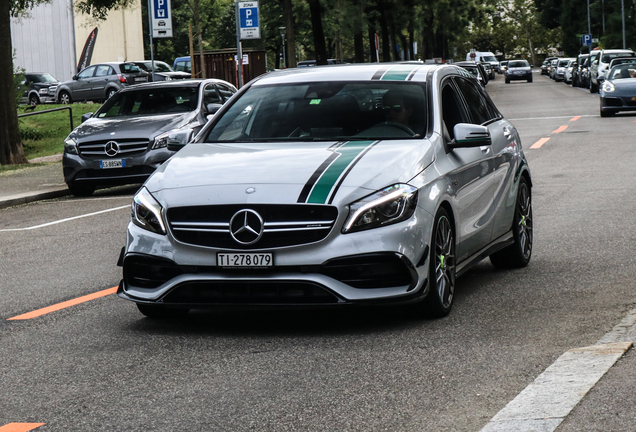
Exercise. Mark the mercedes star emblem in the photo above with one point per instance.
(246, 226)
(112, 148)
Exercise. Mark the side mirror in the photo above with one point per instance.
(471, 135)
(177, 140)
(75, 77)
(212, 108)
(86, 117)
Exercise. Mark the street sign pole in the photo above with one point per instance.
(239, 54)
(152, 56)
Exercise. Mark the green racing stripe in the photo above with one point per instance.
(348, 154)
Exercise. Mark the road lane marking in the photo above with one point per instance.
(63, 305)
(560, 129)
(575, 118)
(546, 402)
(20, 427)
(64, 220)
(539, 143)
(552, 118)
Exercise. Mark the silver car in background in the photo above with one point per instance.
(326, 187)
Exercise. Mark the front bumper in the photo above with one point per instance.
(136, 169)
(384, 265)
(614, 104)
(518, 77)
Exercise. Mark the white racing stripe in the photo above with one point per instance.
(65, 220)
(545, 403)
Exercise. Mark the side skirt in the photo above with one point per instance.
(500, 243)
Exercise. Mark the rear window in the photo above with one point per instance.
(325, 112)
(154, 101)
(129, 68)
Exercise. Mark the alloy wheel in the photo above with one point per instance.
(445, 261)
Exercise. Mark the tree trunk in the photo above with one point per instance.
(531, 47)
(386, 43)
(290, 35)
(196, 20)
(373, 58)
(11, 151)
(319, 35)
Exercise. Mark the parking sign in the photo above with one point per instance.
(161, 19)
(587, 40)
(249, 21)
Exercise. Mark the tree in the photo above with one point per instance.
(11, 150)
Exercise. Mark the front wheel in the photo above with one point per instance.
(518, 254)
(593, 87)
(65, 98)
(441, 274)
(33, 100)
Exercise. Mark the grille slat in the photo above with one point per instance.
(284, 224)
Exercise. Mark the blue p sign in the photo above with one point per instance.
(587, 40)
(161, 9)
(249, 17)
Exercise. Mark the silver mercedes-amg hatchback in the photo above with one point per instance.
(330, 186)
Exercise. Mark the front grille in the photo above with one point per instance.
(149, 272)
(283, 225)
(127, 147)
(380, 270)
(254, 293)
(613, 102)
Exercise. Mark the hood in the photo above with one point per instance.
(301, 172)
(96, 129)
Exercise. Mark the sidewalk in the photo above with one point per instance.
(33, 183)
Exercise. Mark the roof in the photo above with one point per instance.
(351, 72)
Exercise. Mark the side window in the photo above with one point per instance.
(210, 95)
(477, 104)
(225, 91)
(87, 73)
(453, 111)
(103, 70)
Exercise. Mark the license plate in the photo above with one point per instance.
(244, 260)
(116, 163)
(143, 79)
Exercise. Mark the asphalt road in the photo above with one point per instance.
(101, 366)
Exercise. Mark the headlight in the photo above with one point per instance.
(161, 140)
(70, 146)
(146, 212)
(43, 91)
(608, 87)
(387, 206)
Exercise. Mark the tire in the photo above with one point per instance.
(81, 189)
(65, 98)
(607, 113)
(161, 312)
(593, 87)
(507, 81)
(110, 93)
(439, 301)
(530, 79)
(34, 100)
(518, 254)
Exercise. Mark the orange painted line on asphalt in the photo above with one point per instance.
(539, 143)
(20, 427)
(63, 305)
(560, 129)
(575, 118)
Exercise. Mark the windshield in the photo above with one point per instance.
(155, 101)
(563, 63)
(41, 78)
(518, 63)
(608, 57)
(623, 71)
(324, 112)
(159, 66)
(489, 58)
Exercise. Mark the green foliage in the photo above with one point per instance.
(18, 77)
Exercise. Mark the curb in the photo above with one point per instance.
(10, 202)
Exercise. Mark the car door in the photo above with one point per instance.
(504, 150)
(470, 175)
(98, 83)
(81, 87)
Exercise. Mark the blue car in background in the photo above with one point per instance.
(182, 64)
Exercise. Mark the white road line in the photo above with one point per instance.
(552, 118)
(545, 403)
(64, 220)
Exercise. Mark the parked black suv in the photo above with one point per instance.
(37, 88)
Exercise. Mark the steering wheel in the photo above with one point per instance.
(400, 126)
